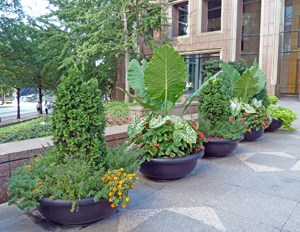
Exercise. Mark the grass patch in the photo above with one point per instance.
(36, 128)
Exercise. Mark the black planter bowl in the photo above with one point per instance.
(254, 135)
(170, 168)
(275, 125)
(59, 210)
(220, 147)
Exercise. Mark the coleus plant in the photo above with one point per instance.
(159, 84)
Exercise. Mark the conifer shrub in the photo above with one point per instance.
(79, 119)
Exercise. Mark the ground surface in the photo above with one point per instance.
(257, 188)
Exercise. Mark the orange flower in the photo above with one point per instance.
(113, 205)
(116, 182)
(119, 174)
(35, 162)
(131, 182)
(105, 175)
(41, 155)
(51, 165)
(93, 178)
(108, 177)
(110, 200)
(131, 186)
(110, 183)
(112, 175)
(40, 183)
(35, 190)
(37, 158)
(115, 189)
(120, 193)
(124, 206)
(103, 178)
(110, 194)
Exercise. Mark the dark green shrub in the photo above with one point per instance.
(262, 95)
(78, 118)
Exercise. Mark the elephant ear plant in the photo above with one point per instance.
(281, 113)
(80, 165)
(160, 84)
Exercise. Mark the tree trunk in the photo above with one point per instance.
(18, 103)
(41, 99)
(126, 58)
(3, 98)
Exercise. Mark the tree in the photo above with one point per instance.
(103, 30)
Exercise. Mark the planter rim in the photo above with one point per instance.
(225, 140)
(178, 159)
(62, 202)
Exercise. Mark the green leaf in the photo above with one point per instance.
(247, 86)
(261, 77)
(231, 72)
(143, 104)
(136, 77)
(187, 134)
(236, 107)
(157, 122)
(136, 125)
(191, 97)
(166, 75)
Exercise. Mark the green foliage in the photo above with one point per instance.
(66, 177)
(78, 118)
(285, 114)
(232, 129)
(170, 136)
(214, 99)
(272, 99)
(263, 96)
(118, 108)
(36, 128)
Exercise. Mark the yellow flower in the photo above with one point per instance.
(127, 199)
(26, 167)
(120, 193)
(110, 200)
(115, 178)
(110, 183)
(29, 166)
(120, 182)
(93, 178)
(130, 178)
(110, 194)
(113, 205)
(7, 193)
(133, 174)
(124, 206)
(137, 178)
(124, 174)
(35, 190)
(41, 155)
(120, 186)
(122, 169)
(115, 189)
(109, 172)
(51, 165)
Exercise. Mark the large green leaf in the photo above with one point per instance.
(146, 106)
(166, 75)
(136, 77)
(231, 72)
(261, 78)
(187, 133)
(136, 125)
(248, 84)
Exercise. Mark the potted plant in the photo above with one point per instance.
(281, 116)
(215, 117)
(171, 144)
(79, 180)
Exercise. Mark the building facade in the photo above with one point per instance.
(268, 30)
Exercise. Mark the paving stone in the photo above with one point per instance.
(225, 174)
(163, 199)
(271, 210)
(7, 212)
(196, 188)
(293, 223)
(272, 161)
(235, 223)
(167, 221)
(140, 191)
(20, 223)
(274, 185)
(293, 149)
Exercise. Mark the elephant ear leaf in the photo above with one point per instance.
(261, 78)
(231, 72)
(136, 77)
(136, 125)
(166, 75)
(247, 85)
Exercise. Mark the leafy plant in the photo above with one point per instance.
(284, 114)
(272, 99)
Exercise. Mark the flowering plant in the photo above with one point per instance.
(170, 136)
(80, 165)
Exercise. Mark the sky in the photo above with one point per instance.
(35, 8)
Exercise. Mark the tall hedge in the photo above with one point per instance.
(78, 118)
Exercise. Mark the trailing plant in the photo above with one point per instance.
(78, 166)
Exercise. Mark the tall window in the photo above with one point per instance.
(183, 20)
(250, 30)
(194, 65)
(214, 15)
(290, 57)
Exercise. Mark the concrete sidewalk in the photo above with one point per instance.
(255, 189)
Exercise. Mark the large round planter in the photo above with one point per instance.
(275, 125)
(220, 147)
(170, 168)
(254, 135)
(58, 210)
